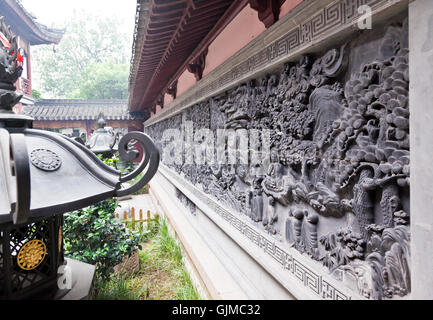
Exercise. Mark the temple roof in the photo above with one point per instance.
(25, 25)
(140, 19)
(76, 110)
(166, 34)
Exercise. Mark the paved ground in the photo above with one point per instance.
(138, 202)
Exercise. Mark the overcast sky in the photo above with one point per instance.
(54, 12)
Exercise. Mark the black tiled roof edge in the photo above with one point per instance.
(78, 110)
(42, 33)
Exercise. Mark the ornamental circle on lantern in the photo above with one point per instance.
(31, 255)
(45, 159)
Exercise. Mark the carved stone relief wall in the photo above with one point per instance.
(337, 185)
(186, 202)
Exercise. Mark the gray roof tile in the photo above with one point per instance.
(77, 109)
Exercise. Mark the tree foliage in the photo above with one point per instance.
(94, 50)
(103, 81)
(36, 94)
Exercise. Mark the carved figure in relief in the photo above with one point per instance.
(301, 231)
(326, 106)
(309, 242)
(271, 91)
(396, 270)
(283, 83)
(228, 108)
(297, 225)
(362, 202)
(239, 198)
(256, 200)
(215, 186)
(390, 203)
(275, 171)
(283, 187)
(338, 148)
(236, 109)
(271, 216)
(227, 176)
(261, 91)
(289, 228)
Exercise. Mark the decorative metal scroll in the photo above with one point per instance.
(148, 165)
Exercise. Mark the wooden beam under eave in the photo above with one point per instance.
(177, 51)
(228, 16)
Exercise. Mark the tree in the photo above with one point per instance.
(88, 41)
(36, 94)
(103, 81)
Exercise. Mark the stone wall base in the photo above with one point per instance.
(219, 267)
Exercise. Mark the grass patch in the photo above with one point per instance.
(162, 274)
(143, 190)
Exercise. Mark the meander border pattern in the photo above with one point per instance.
(316, 283)
(327, 19)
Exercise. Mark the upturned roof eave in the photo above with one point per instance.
(150, 74)
(23, 24)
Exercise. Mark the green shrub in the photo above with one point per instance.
(123, 166)
(94, 235)
(143, 190)
(162, 272)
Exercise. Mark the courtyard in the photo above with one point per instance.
(215, 150)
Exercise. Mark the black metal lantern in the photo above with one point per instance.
(42, 176)
(103, 141)
(30, 256)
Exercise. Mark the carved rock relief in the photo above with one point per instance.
(186, 202)
(337, 184)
